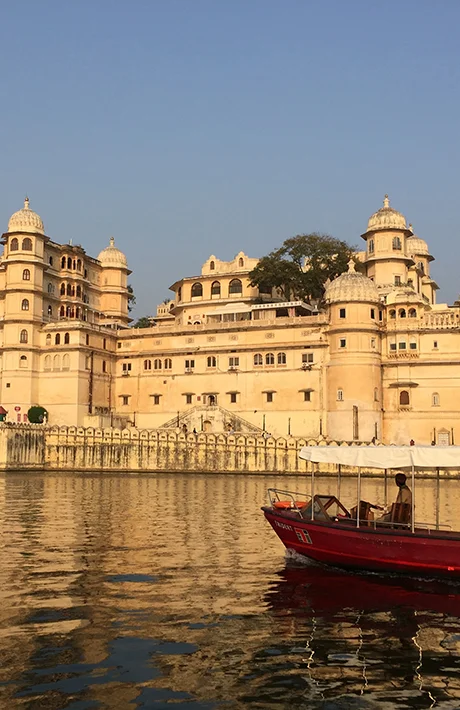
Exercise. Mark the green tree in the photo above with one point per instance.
(143, 322)
(37, 415)
(131, 298)
(300, 268)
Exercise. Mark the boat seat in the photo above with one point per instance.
(400, 513)
(366, 515)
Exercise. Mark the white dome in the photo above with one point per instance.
(26, 220)
(351, 286)
(386, 218)
(111, 256)
(416, 246)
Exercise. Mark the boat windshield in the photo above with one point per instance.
(325, 508)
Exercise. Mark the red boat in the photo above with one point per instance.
(321, 528)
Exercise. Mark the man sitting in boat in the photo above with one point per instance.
(403, 499)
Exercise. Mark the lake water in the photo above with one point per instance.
(172, 591)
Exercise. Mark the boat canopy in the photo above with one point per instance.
(384, 456)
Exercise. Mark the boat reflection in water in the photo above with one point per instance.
(364, 639)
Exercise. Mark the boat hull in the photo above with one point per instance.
(365, 548)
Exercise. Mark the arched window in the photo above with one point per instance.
(421, 266)
(63, 262)
(77, 312)
(47, 365)
(240, 262)
(57, 339)
(74, 264)
(14, 244)
(392, 313)
(79, 265)
(197, 290)
(25, 304)
(56, 362)
(404, 399)
(69, 290)
(27, 244)
(147, 364)
(157, 364)
(67, 312)
(24, 336)
(78, 291)
(235, 287)
(339, 395)
(50, 310)
(69, 262)
(211, 361)
(62, 289)
(26, 275)
(48, 339)
(168, 363)
(50, 288)
(23, 361)
(371, 246)
(179, 294)
(376, 394)
(281, 358)
(402, 313)
(412, 313)
(215, 288)
(212, 266)
(62, 311)
(258, 360)
(66, 362)
(72, 293)
(66, 338)
(269, 359)
(396, 244)
(435, 399)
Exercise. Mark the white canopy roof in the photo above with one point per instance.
(385, 456)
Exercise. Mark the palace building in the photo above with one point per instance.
(380, 361)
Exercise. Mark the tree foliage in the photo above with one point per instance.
(131, 298)
(143, 322)
(37, 415)
(300, 268)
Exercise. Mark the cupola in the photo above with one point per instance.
(351, 286)
(26, 220)
(112, 257)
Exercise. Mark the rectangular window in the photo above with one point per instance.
(435, 344)
(307, 396)
(189, 364)
(233, 361)
(307, 358)
(125, 399)
(269, 396)
(188, 398)
(392, 346)
(397, 281)
(104, 366)
(413, 346)
(233, 397)
(343, 343)
(156, 398)
(126, 367)
(373, 343)
(118, 345)
(373, 313)
(343, 313)
(339, 395)
(380, 315)
(402, 346)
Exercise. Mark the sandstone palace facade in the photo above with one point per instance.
(379, 362)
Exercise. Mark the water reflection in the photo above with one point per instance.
(126, 592)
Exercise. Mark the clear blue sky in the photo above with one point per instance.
(190, 127)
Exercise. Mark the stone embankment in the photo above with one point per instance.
(37, 447)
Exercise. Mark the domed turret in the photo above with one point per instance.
(26, 220)
(351, 287)
(386, 218)
(416, 246)
(112, 257)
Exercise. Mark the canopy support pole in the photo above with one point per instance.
(312, 493)
(359, 496)
(339, 481)
(437, 498)
(413, 499)
(385, 488)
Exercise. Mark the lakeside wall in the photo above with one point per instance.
(36, 447)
